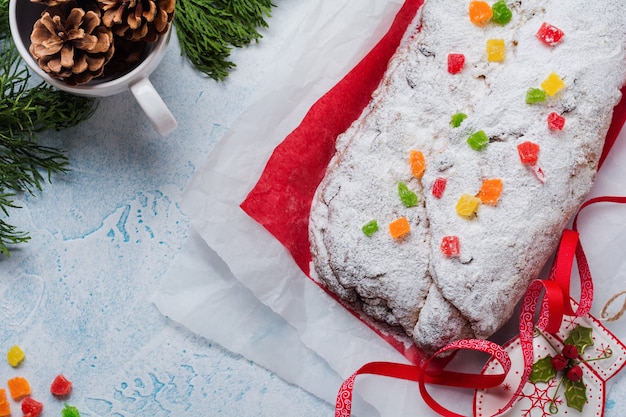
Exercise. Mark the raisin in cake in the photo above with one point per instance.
(462, 212)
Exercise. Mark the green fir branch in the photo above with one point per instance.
(208, 30)
(27, 108)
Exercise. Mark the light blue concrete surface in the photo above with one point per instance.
(76, 298)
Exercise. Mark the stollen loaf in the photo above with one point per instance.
(447, 196)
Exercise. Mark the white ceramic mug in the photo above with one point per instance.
(22, 16)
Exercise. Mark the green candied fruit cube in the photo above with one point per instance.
(478, 141)
(370, 228)
(535, 95)
(70, 411)
(457, 119)
(501, 13)
(408, 197)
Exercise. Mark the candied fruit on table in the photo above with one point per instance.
(15, 356)
(550, 35)
(480, 12)
(70, 411)
(60, 387)
(456, 62)
(18, 387)
(5, 407)
(399, 228)
(31, 407)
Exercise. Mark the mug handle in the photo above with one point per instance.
(153, 105)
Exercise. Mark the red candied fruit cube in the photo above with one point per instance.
(455, 63)
(439, 186)
(31, 408)
(60, 387)
(450, 246)
(556, 121)
(528, 152)
(550, 35)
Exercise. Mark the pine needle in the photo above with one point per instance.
(25, 110)
(208, 31)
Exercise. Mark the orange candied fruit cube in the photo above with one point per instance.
(490, 191)
(399, 228)
(19, 387)
(418, 163)
(5, 407)
(480, 12)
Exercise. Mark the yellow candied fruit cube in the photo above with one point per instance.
(496, 50)
(553, 84)
(15, 356)
(399, 228)
(467, 205)
(5, 407)
(19, 387)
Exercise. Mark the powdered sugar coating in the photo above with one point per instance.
(410, 283)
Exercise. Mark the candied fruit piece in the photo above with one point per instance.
(455, 63)
(457, 119)
(5, 407)
(496, 50)
(60, 387)
(370, 228)
(480, 12)
(439, 186)
(490, 191)
(31, 407)
(70, 411)
(408, 197)
(553, 84)
(467, 206)
(18, 387)
(418, 163)
(501, 13)
(399, 228)
(528, 152)
(450, 246)
(15, 356)
(549, 35)
(535, 95)
(478, 141)
(556, 121)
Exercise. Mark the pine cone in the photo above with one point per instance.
(71, 44)
(51, 3)
(138, 19)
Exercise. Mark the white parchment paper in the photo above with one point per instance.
(237, 285)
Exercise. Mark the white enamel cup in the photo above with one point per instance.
(22, 16)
